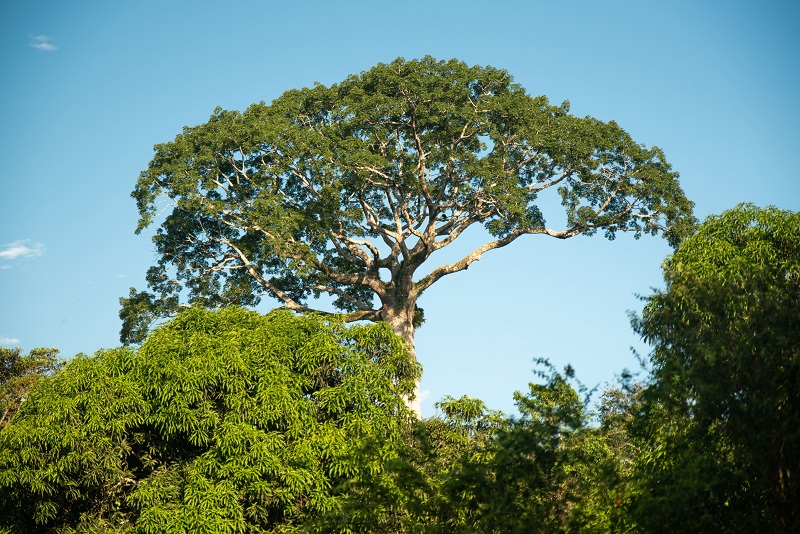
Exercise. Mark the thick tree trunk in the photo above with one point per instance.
(402, 323)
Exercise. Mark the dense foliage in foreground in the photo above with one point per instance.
(228, 421)
(220, 422)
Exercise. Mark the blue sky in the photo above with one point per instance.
(89, 87)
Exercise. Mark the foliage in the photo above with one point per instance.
(475, 470)
(547, 469)
(18, 373)
(722, 416)
(684, 479)
(221, 422)
(348, 190)
(608, 498)
(415, 492)
(229, 421)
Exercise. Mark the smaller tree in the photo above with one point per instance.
(544, 464)
(18, 372)
(224, 421)
(681, 476)
(726, 363)
(477, 470)
(415, 491)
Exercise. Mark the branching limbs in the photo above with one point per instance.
(327, 187)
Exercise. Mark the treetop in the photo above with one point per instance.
(328, 186)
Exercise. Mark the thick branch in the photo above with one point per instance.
(371, 281)
(350, 252)
(455, 229)
(476, 254)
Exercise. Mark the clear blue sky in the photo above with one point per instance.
(89, 87)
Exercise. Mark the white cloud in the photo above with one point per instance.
(424, 395)
(42, 42)
(21, 249)
(9, 341)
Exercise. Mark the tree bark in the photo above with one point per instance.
(402, 323)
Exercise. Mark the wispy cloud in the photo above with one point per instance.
(42, 42)
(24, 248)
(9, 341)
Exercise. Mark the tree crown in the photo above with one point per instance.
(347, 190)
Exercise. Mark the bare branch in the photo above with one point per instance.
(476, 254)
(354, 244)
(371, 281)
(395, 215)
(455, 229)
(550, 183)
(354, 254)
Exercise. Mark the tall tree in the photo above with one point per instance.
(726, 374)
(349, 190)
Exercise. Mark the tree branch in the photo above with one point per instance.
(290, 302)
(476, 254)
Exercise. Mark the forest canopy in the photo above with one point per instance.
(229, 421)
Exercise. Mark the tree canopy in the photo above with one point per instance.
(227, 421)
(347, 190)
(230, 421)
(724, 407)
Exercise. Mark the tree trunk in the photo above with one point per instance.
(402, 323)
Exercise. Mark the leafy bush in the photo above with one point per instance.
(224, 421)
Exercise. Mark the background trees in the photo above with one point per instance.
(349, 190)
(18, 372)
(475, 470)
(230, 421)
(541, 471)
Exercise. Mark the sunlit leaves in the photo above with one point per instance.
(70, 441)
(220, 422)
(726, 366)
(18, 373)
